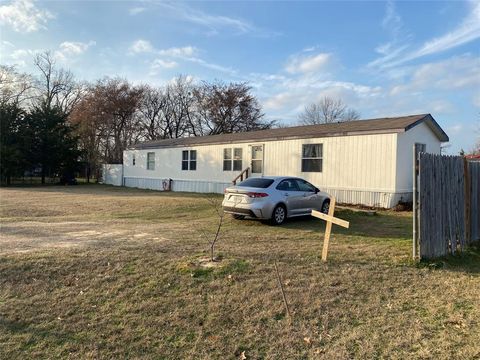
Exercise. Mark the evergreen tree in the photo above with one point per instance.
(55, 147)
(14, 142)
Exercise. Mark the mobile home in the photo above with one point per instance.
(366, 162)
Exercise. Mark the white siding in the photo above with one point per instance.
(356, 169)
(373, 169)
(404, 164)
(112, 174)
(365, 163)
(168, 163)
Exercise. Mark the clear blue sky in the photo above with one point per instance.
(381, 58)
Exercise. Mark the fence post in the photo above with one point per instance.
(468, 223)
(415, 203)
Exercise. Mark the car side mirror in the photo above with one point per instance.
(317, 190)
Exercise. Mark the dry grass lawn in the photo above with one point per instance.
(101, 272)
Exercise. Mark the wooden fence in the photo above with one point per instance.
(473, 207)
(447, 202)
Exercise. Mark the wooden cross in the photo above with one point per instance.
(330, 219)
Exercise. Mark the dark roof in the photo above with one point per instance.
(359, 127)
(473, 156)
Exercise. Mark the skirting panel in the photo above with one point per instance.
(144, 183)
(369, 198)
(199, 186)
(177, 185)
(344, 196)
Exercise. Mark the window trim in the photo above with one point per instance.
(150, 161)
(312, 158)
(231, 160)
(227, 159)
(190, 161)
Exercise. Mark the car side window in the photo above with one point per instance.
(305, 186)
(287, 185)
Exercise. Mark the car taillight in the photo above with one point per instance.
(256, 194)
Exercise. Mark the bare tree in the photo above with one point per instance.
(213, 238)
(227, 108)
(117, 102)
(444, 147)
(56, 87)
(90, 128)
(15, 87)
(108, 121)
(327, 111)
(183, 108)
(168, 112)
(178, 110)
(152, 106)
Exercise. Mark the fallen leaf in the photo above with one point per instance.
(307, 340)
(243, 356)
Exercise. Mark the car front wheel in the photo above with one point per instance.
(279, 215)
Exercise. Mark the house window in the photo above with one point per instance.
(312, 157)
(232, 162)
(189, 160)
(133, 160)
(151, 161)
(237, 159)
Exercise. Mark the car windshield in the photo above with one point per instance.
(257, 183)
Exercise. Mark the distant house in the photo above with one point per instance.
(473, 157)
(360, 162)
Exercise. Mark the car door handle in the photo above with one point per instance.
(286, 194)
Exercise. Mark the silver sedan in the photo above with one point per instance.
(274, 198)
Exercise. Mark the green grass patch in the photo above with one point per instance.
(468, 261)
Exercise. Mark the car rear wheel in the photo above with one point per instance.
(325, 207)
(279, 215)
(238, 217)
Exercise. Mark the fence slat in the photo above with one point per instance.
(474, 170)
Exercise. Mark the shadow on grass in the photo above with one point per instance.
(467, 261)
(381, 225)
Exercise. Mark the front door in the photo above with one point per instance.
(257, 160)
